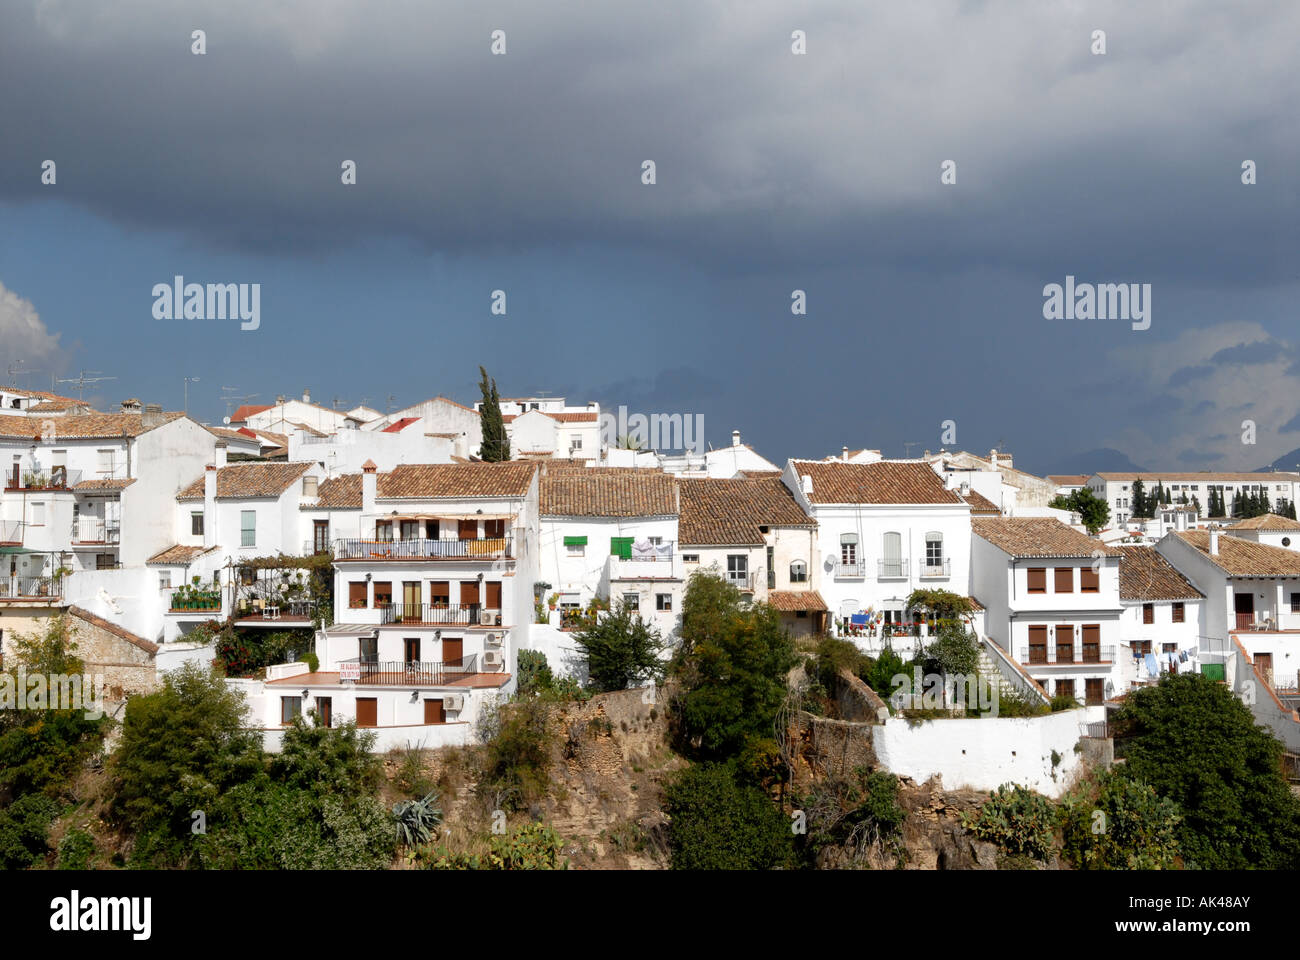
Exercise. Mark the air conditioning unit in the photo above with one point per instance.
(492, 640)
(493, 658)
(485, 617)
(453, 701)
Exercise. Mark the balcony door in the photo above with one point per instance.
(493, 600)
(1038, 644)
(467, 530)
(1243, 605)
(411, 601)
(320, 536)
(411, 650)
(468, 594)
(367, 712)
(1264, 666)
(892, 555)
(453, 652)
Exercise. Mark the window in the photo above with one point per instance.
(368, 649)
(38, 514)
(1178, 613)
(632, 601)
(410, 529)
(290, 707)
(771, 569)
(575, 546)
(690, 558)
(384, 530)
(1064, 643)
(1148, 613)
(383, 592)
(663, 601)
(1065, 688)
(1089, 580)
(248, 528)
(1092, 643)
(1295, 603)
(1064, 580)
(164, 579)
(1140, 647)
(357, 594)
(575, 441)
(310, 486)
(1038, 644)
(891, 564)
(1094, 691)
(440, 593)
(196, 523)
(1037, 579)
(848, 549)
(738, 568)
(621, 547)
(325, 711)
(494, 529)
(934, 550)
(106, 462)
(798, 572)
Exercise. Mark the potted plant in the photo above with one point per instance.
(552, 600)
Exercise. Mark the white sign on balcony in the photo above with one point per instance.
(349, 671)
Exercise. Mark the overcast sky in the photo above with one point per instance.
(775, 172)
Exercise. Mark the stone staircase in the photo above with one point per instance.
(995, 662)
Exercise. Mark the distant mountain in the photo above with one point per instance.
(1104, 460)
(1285, 462)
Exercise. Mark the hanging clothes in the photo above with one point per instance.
(1153, 667)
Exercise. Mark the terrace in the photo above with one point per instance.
(486, 548)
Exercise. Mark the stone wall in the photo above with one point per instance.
(125, 660)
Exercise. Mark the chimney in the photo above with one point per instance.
(993, 459)
(210, 506)
(219, 454)
(735, 438)
(280, 399)
(152, 416)
(1180, 519)
(807, 485)
(369, 487)
(306, 395)
(1214, 539)
(844, 454)
(965, 488)
(131, 406)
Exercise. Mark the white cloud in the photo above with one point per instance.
(23, 336)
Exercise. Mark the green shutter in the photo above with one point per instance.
(621, 547)
(1213, 671)
(575, 541)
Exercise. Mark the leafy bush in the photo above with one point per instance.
(719, 823)
(621, 650)
(879, 673)
(534, 672)
(518, 739)
(327, 760)
(1017, 820)
(1063, 701)
(25, 830)
(417, 819)
(1118, 823)
(533, 846)
(75, 850)
(853, 813)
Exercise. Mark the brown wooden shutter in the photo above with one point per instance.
(1089, 580)
(1094, 691)
(1037, 579)
(1064, 580)
(453, 652)
(357, 594)
(1179, 613)
(1092, 642)
(433, 712)
(1038, 644)
(1148, 613)
(493, 601)
(467, 530)
(439, 593)
(469, 593)
(367, 712)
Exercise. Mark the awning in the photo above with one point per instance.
(575, 541)
(445, 516)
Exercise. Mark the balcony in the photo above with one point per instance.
(59, 478)
(1067, 655)
(855, 570)
(891, 569)
(936, 571)
(98, 532)
(11, 532)
(36, 588)
(401, 673)
(742, 581)
(439, 614)
(641, 568)
(484, 549)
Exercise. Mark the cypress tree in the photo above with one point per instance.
(495, 447)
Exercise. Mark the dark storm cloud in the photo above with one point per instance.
(1189, 374)
(1261, 351)
(1196, 456)
(1074, 163)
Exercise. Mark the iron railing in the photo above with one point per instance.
(432, 673)
(936, 570)
(439, 614)
(423, 549)
(1067, 654)
(852, 570)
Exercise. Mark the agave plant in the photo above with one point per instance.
(417, 819)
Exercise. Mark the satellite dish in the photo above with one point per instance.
(830, 559)
(226, 421)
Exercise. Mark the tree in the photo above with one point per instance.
(1092, 510)
(1140, 504)
(717, 822)
(1137, 829)
(1196, 744)
(732, 667)
(939, 604)
(621, 650)
(496, 446)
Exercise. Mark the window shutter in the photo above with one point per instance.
(577, 542)
(1037, 579)
(621, 547)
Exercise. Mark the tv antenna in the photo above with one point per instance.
(16, 370)
(390, 401)
(907, 448)
(231, 399)
(85, 377)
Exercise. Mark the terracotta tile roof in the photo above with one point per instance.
(104, 483)
(980, 504)
(1035, 537)
(90, 426)
(55, 406)
(881, 482)
(445, 436)
(248, 410)
(309, 429)
(1145, 575)
(561, 417)
(398, 426)
(1069, 479)
(760, 474)
(1269, 521)
(80, 613)
(1245, 558)
(729, 512)
(43, 394)
(1206, 477)
(249, 480)
(601, 493)
(338, 493)
(792, 601)
(177, 554)
(225, 433)
(431, 481)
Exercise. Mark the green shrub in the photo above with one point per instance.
(534, 672)
(716, 822)
(533, 846)
(853, 813)
(25, 830)
(621, 650)
(518, 739)
(1063, 701)
(1118, 823)
(75, 850)
(1017, 820)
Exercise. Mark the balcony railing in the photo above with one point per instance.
(310, 547)
(485, 549)
(891, 569)
(436, 614)
(641, 568)
(1067, 655)
(12, 588)
(89, 530)
(936, 571)
(58, 478)
(855, 570)
(11, 531)
(430, 673)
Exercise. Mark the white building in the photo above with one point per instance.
(739, 459)
(286, 415)
(1052, 601)
(441, 417)
(1270, 530)
(884, 530)
(1117, 488)
(1163, 619)
(563, 433)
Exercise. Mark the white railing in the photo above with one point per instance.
(638, 568)
(90, 530)
(891, 569)
(938, 570)
(855, 570)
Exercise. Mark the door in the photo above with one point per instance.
(1092, 643)
(411, 601)
(453, 652)
(367, 712)
(892, 555)
(411, 649)
(433, 712)
(467, 530)
(1094, 691)
(493, 601)
(1038, 644)
(1064, 643)
(1243, 605)
(325, 710)
(1264, 666)
(320, 536)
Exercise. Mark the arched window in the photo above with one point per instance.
(798, 572)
